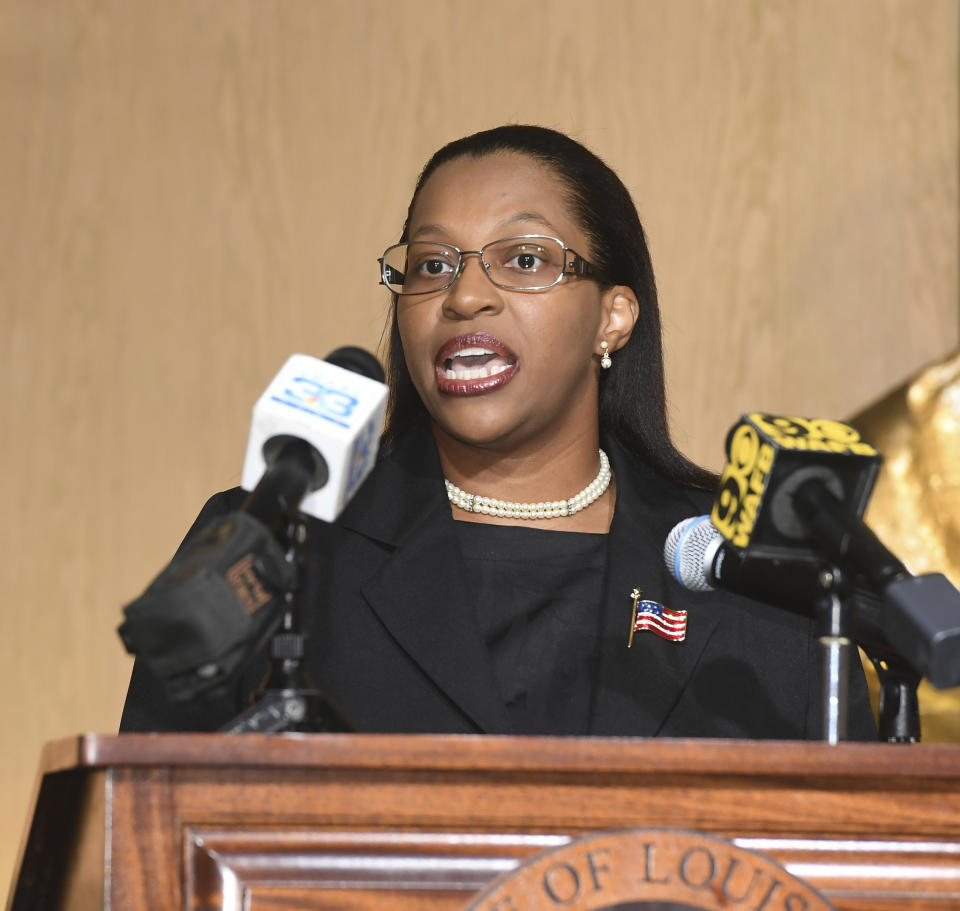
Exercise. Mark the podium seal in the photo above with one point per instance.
(649, 870)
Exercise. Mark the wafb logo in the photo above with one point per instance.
(761, 444)
(311, 395)
(742, 484)
(811, 434)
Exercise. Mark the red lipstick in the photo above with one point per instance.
(474, 364)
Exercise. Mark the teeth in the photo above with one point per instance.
(476, 373)
(472, 352)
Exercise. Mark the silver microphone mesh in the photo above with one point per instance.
(689, 551)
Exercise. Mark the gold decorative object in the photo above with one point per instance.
(915, 507)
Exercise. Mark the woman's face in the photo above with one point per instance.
(495, 368)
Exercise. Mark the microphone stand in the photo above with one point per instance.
(899, 715)
(833, 612)
(848, 540)
(899, 707)
(286, 700)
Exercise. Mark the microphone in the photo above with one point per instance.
(769, 459)
(314, 436)
(701, 560)
(788, 517)
(916, 618)
(313, 441)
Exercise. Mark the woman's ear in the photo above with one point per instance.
(620, 312)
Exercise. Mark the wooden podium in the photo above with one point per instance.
(177, 821)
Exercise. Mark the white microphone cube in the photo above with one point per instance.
(338, 412)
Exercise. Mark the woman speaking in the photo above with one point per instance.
(487, 576)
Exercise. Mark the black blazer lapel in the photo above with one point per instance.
(420, 593)
(638, 687)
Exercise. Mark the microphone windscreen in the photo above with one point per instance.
(339, 412)
(689, 551)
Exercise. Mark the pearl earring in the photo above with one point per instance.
(605, 361)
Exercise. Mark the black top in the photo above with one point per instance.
(534, 594)
(394, 644)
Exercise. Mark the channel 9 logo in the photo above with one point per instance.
(761, 445)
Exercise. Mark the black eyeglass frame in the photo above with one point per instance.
(575, 265)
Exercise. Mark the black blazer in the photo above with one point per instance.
(394, 643)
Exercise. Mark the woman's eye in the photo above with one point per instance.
(525, 261)
(434, 267)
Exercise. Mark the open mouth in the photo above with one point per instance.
(473, 364)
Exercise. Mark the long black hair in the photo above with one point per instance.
(632, 397)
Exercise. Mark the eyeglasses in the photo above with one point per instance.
(527, 262)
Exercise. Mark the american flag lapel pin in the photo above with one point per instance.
(649, 615)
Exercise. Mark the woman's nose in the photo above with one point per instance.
(472, 293)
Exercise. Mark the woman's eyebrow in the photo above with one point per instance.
(429, 229)
(526, 216)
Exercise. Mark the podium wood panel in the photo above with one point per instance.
(374, 821)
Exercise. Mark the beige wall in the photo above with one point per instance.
(190, 191)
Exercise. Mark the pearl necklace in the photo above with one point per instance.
(550, 510)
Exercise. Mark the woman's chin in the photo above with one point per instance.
(493, 432)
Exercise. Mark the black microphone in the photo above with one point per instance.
(844, 537)
(313, 441)
(916, 619)
(701, 560)
(768, 459)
